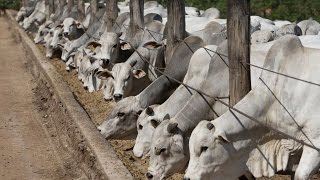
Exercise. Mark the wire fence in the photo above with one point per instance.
(219, 99)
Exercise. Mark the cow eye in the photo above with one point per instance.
(114, 46)
(120, 114)
(204, 149)
(140, 126)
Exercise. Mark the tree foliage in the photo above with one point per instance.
(10, 4)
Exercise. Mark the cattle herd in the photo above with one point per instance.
(274, 128)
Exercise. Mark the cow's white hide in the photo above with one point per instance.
(236, 135)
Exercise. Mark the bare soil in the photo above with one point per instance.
(28, 146)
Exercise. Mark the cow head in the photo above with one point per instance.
(109, 47)
(169, 151)
(69, 24)
(146, 124)
(57, 37)
(123, 76)
(210, 154)
(47, 41)
(42, 32)
(122, 120)
(21, 14)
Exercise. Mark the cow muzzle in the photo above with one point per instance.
(149, 175)
(117, 97)
(104, 63)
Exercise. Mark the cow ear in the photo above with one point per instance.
(104, 75)
(79, 25)
(139, 112)
(60, 45)
(166, 117)
(138, 73)
(119, 34)
(149, 111)
(60, 26)
(172, 127)
(93, 44)
(125, 46)
(154, 123)
(151, 45)
(221, 136)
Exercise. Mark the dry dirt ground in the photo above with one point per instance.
(27, 150)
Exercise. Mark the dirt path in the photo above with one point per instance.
(25, 148)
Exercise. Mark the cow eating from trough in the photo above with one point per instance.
(235, 142)
(125, 114)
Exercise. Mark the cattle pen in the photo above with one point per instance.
(77, 114)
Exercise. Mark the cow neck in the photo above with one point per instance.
(241, 130)
(175, 102)
(156, 93)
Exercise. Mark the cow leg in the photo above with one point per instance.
(309, 164)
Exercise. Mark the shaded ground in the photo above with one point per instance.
(27, 150)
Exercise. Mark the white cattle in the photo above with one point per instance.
(132, 76)
(212, 13)
(252, 145)
(192, 11)
(121, 122)
(309, 27)
(266, 24)
(72, 29)
(288, 29)
(216, 84)
(254, 26)
(262, 36)
(168, 146)
(280, 23)
(36, 18)
(151, 117)
(210, 30)
(42, 32)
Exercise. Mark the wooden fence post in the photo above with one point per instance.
(238, 24)
(62, 3)
(112, 13)
(136, 18)
(81, 10)
(94, 9)
(176, 25)
(70, 5)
